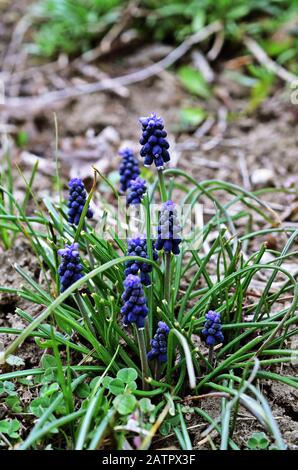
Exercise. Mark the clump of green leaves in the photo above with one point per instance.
(10, 397)
(180, 18)
(10, 428)
(70, 26)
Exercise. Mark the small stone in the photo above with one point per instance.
(262, 177)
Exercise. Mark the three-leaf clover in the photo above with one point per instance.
(125, 382)
(10, 427)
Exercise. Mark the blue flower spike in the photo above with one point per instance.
(154, 143)
(212, 329)
(135, 309)
(129, 168)
(169, 230)
(159, 343)
(76, 201)
(136, 191)
(70, 269)
(138, 247)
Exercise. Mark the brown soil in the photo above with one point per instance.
(21, 255)
(282, 400)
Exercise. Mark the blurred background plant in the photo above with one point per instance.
(70, 26)
(93, 28)
(73, 26)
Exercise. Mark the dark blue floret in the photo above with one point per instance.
(159, 343)
(212, 329)
(154, 143)
(76, 201)
(70, 269)
(129, 168)
(169, 230)
(135, 308)
(136, 191)
(138, 247)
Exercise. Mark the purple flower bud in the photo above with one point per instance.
(169, 230)
(136, 191)
(76, 201)
(135, 309)
(70, 269)
(154, 143)
(138, 247)
(129, 168)
(159, 343)
(212, 329)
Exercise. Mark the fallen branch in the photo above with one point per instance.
(217, 46)
(33, 104)
(265, 60)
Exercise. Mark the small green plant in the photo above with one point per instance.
(10, 428)
(73, 26)
(258, 441)
(262, 87)
(10, 397)
(122, 387)
(70, 26)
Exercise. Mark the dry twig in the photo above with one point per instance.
(31, 105)
(265, 60)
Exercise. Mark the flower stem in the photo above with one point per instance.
(162, 186)
(143, 355)
(167, 279)
(90, 255)
(147, 333)
(149, 327)
(157, 370)
(210, 355)
(84, 313)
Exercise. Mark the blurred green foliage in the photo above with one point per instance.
(191, 117)
(193, 81)
(181, 18)
(70, 25)
(73, 26)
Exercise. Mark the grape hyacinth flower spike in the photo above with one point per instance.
(136, 191)
(138, 247)
(169, 230)
(129, 168)
(70, 269)
(159, 343)
(154, 143)
(212, 331)
(135, 309)
(76, 201)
